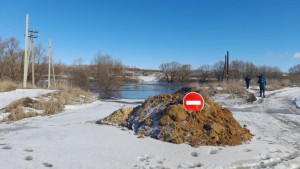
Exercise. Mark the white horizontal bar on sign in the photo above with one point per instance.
(193, 102)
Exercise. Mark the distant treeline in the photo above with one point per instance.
(177, 72)
(108, 72)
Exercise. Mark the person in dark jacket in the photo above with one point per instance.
(247, 80)
(262, 84)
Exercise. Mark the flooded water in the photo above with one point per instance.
(145, 90)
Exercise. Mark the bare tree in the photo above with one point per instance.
(78, 74)
(41, 63)
(204, 72)
(171, 71)
(2, 54)
(185, 72)
(12, 56)
(250, 69)
(109, 73)
(165, 67)
(218, 68)
(294, 74)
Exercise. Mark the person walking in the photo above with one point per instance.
(262, 85)
(247, 80)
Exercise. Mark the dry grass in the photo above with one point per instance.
(24, 102)
(235, 88)
(7, 85)
(50, 103)
(210, 89)
(278, 84)
(18, 114)
(74, 95)
(17, 109)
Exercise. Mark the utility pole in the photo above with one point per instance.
(227, 71)
(25, 57)
(50, 61)
(225, 68)
(53, 71)
(32, 36)
(49, 66)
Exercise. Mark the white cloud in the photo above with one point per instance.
(271, 54)
(296, 55)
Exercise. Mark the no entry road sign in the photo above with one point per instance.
(193, 101)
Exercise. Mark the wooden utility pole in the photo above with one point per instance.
(26, 57)
(31, 55)
(225, 68)
(49, 66)
(227, 71)
(53, 71)
(50, 60)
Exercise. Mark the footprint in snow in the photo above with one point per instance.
(195, 154)
(161, 161)
(189, 165)
(149, 161)
(47, 165)
(28, 158)
(247, 150)
(145, 158)
(28, 150)
(214, 151)
(6, 147)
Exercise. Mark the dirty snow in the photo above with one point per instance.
(72, 139)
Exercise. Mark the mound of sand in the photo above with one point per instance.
(164, 117)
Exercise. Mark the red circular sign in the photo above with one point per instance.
(193, 101)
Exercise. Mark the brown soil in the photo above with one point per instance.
(164, 117)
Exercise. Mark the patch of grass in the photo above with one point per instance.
(7, 85)
(210, 89)
(74, 95)
(50, 106)
(235, 88)
(278, 84)
(24, 102)
(52, 103)
(18, 114)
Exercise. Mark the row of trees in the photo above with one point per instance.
(108, 72)
(176, 72)
(240, 69)
(12, 60)
(294, 73)
(105, 71)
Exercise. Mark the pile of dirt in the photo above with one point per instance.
(164, 117)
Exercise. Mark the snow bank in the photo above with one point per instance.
(7, 97)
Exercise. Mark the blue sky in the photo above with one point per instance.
(146, 33)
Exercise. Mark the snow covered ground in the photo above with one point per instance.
(151, 78)
(72, 139)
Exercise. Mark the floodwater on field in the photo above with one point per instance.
(144, 90)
